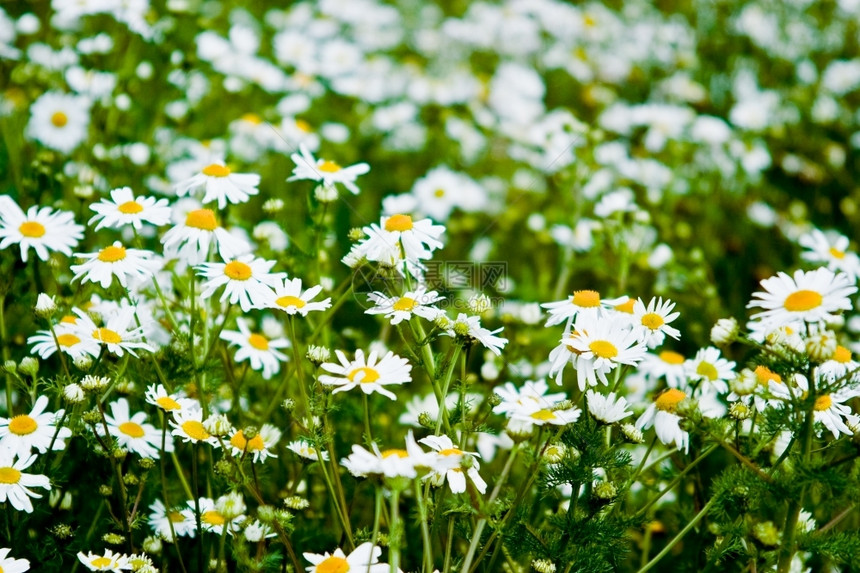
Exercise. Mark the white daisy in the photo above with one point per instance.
(666, 364)
(14, 483)
(532, 396)
(841, 367)
(262, 352)
(118, 335)
(123, 208)
(370, 375)
(470, 328)
(34, 431)
(306, 450)
(67, 341)
(132, 433)
(607, 409)
(418, 239)
(652, 322)
(157, 395)
(288, 296)
(391, 463)
(41, 229)
(328, 172)
(449, 465)
(115, 261)
(188, 425)
(246, 280)
(711, 370)
(544, 416)
(831, 411)
(399, 308)
(260, 446)
(221, 184)
(603, 344)
(364, 559)
(10, 564)
(59, 121)
(182, 520)
(191, 240)
(832, 250)
(213, 521)
(812, 296)
(107, 561)
(661, 414)
(586, 301)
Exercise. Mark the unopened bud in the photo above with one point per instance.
(218, 425)
(30, 366)
(46, 306)
(725, 331)
(739, 411)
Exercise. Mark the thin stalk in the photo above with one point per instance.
(425, 529)
(341, 511)
(693, 522)
(442, 419)
(297, 358)
(395, 533)
(194, 451)
(677, 479)
(369, 434)
(164, 488)
(377, 515)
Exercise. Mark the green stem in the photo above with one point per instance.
(297, 358)
(194, 452)
(442, 418)
(677, 479)
(368, 434)
(693, 522)
(425, 529)
(395, 534)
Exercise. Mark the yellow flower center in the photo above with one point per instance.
(764, 375)
(707, 370)
(69, 319)
(131, 429)
(603, 349)
(175, 517)
(370, 375)
(9, 475)
(329, 167)
(451, 452)
(252, 118)
(59, 119)
(586, 298)
(130, 208)
(168, 403)
(201, 219)
(836, 253)
(22, 425)
(215, 170)
(842, 354)
(289, 300)
(237, 270)
(544, 415)
(112, 254)
(254, 444)
(802, 300)
(626, 306)
(395, 452)
(671, 357)
(405, 303)
(304, 126)
(212, 517)
(258, 341)
(195, 430)
(823, 403)
(652, 320)
(32, 229)
(333, 565)
(101, 562)
(67, 339)
(398, 223)
(107, 336)
(589, 21)
(668, 401)
(439, 193)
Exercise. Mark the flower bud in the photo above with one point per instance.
(30, 366)
(296, 502)
(543, 566)
(745, 383)
(113, 539)
(739, 411)
(152, 544)
(554, 453)
(605, 490)
(325, 193)
(767, 533)
(426, 420)
(73, 393)
(83, 362)
(218, 425)
(821, 347)
(92, 383)
(231, 506)
(318, 354)
(632, 434)
(725, 331)
(46, 306)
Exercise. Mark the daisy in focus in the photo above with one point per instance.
(661, 414)
(262, 352)
(215, 519)
(449, 465)
(417, 302)
(469, 328)
(288, 296)
(371, 375)
(581, 301)
(364, 559)
(603, 346)
(188, 426)
(711, 370)
(67, 341)
(652, 322)
(14, 483)
(115, 261)
(246, 280)
(157, 395)
(607, 409)
(545, 416)
(327, 172)
(831, 411)
(260, 446)
(306, 450)
(220, 184)
(811, 297)
(132, 433)
(123, 209)
(59, 121)
(191, 240)
(41, 228)
(34, 431)
(107, 561)
(182, 521)
(117, 335)
(532, 396)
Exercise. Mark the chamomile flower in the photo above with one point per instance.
(41, 228)
(652, 322)
(59, 121)
(260, 446)
(449, 465)
(115, 261)
(607, 409)
(158, 396)
(181, 520)
(118, 335)
(364, 559)
(417, 302)
(262, 352)
(661, 414)
(327, 172)
(306, 450)
(667, 365)
(288, 296)
(812, 297)
(831, 250)
(34, 431)
(711, 370)
(192, 239)
(188, 426)
(417, 239)
(132, 433)
(581, 301)
(603, 346)
(246, 280)
(547, 416)
(470, 329)
(830, 410)
(391, 463)
(123, 209)
(530, 397)
(220, 184)
(10, 564)
(67, 341)
(14, 483)
(107, 561)
(370, 375)
(214, 520)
